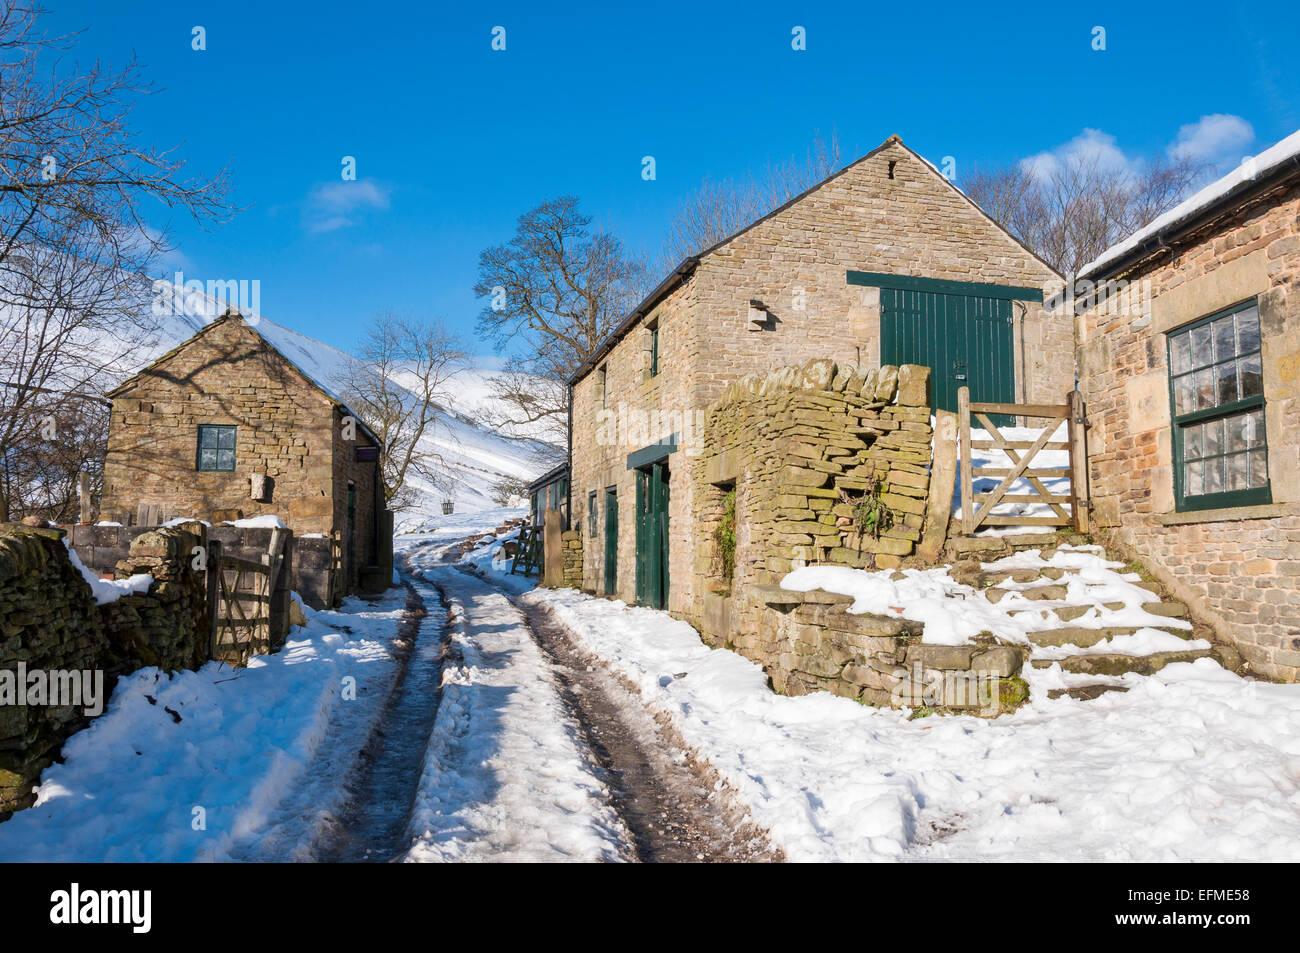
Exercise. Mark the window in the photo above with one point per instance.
(216, 448)
(1216, 386)
(654, 349)
(592, 522)
(602, 380)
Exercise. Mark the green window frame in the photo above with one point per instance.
(593, 522)
(1216, 399)
(216, 448)
(654, 349)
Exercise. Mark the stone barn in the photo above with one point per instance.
(885, 263)
(226, 427)
(1189, 358)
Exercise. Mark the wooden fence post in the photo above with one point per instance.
(967, 476)
(938, 508)
(83, 496)
(1079, 502)
(213, 580)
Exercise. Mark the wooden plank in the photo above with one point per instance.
(230, 563)
(1022, 410)
(1043, 473)
(1019, 445)
(943, 472)
(967, 480)
(1025, 521)
(1078, 463)
(1023, 498)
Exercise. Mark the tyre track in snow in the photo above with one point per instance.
(381, 790)
(675, 805)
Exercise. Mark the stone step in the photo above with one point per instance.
(1171, 610)
(1036, 593)
(1070, 613)
(1120, 664)
(1078, 635)
(1084, 637)
(1085, 693)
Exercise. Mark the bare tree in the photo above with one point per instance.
(72, 173)
(554, 292)
(398, 384)
(718, 209)
(67, 324)
(1071, 211)
(74, 244)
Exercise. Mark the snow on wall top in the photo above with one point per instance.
(1247, 171)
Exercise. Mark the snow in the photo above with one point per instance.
(108, 590)
(1193, 763)
(134, 783)
(506, 776)
(258, 522)
(1247, 171)
(954, 613)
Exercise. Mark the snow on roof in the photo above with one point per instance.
(1247, 171)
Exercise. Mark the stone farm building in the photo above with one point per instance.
(883, 264)
(225, 426)
(1190, 365)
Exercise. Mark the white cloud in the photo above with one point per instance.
(1090, 147)
(1213, 138)
(334, 205)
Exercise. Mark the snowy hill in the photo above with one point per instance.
(476, 455)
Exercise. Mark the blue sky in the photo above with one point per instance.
(454, 140)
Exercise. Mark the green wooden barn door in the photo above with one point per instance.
(965, 340)
(652, 535)
(611, 541)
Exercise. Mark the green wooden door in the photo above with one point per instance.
(965, 340)
(652, 535)
(611, 541)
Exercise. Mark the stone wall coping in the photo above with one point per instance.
(19, 529)
(1265, 512)
(774, 595)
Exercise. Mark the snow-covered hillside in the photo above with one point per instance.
(476, 455)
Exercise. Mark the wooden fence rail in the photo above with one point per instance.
(977, 508)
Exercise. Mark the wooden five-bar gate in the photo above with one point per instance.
(240, 594)
(977, 508)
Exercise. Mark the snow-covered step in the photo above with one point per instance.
(1120, 664)
(1087, 692)
(1053, 591)
(1070, 613)
(1084, 637)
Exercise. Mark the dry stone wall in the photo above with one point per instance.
(51, 627)
(48, 622)
(811, 451)
(807, 641)
(796, 461)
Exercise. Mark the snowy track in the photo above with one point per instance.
(507, 773)
(676, 807)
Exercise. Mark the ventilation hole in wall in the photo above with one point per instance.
(892, 163)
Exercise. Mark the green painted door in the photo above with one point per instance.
(652, 535)
(611, 541)
(965, 340)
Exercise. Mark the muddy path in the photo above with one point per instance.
(676, 807)
(372, 826)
